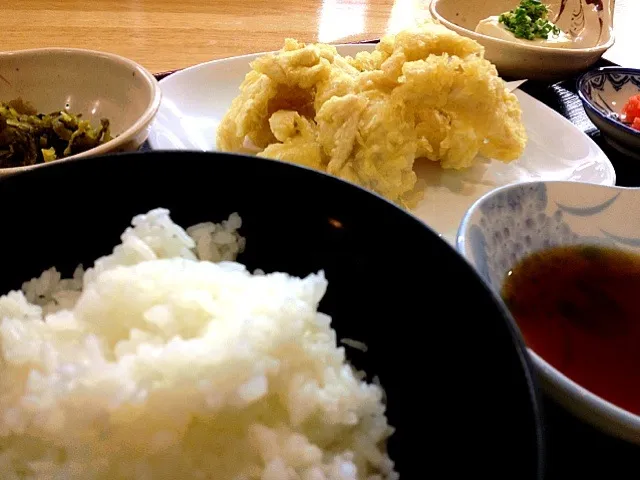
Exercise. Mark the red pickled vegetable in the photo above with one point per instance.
(631, 112)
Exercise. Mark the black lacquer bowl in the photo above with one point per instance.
(459, 385)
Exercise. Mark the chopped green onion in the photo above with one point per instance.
(529, 21)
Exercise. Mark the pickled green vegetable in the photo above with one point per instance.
(28, 137)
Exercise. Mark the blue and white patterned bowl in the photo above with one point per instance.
(513, 221)
(603, 93)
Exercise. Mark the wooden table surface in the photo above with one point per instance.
(169, 34)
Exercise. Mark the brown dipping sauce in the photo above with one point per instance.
(578, 307)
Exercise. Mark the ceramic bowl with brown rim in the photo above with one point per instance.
(94, 84)
(588, 23)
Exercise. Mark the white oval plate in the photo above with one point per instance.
(195, 100)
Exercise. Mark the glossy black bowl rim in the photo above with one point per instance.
(516, 338)
(586, 101)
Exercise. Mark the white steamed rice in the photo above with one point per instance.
(157, 363)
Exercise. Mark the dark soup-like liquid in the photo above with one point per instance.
(578, 307)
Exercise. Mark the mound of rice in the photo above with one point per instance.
(158, 363)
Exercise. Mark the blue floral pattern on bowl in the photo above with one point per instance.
(595, 85)
(517, 220)
(604, 92)
(510, 222)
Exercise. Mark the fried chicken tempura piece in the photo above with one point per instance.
(283, 81)
(424, 93)
(478, 113)
(296, 140)
(370, 140)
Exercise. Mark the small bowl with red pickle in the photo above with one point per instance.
(565, 259)
(611, 98)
